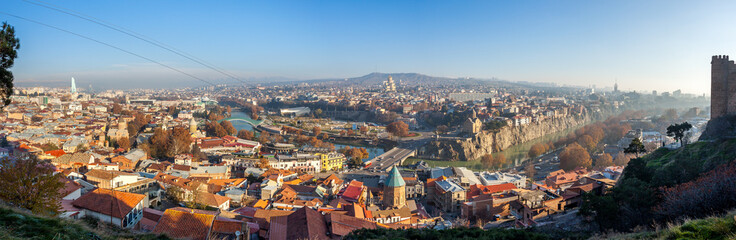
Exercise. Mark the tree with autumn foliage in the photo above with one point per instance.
(587, 142)
(574, 156)
(537, 149)
(316, 130)
(228, 126)
(398, 128)
(214, 129)
(264, 137)
(169, 143)
(499, 160)
(530, 171)
(31, 183)
(124, 143)
(487, 160)
(355, 155)
(116, 108)
(245, 134)
(604, 161)
(264, 163)
(493, 161)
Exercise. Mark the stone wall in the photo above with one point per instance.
(485, 142)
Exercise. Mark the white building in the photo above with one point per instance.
(121, 209)
(496, 178)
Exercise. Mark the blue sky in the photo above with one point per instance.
(645, 45)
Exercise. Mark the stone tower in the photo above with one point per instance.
(192, 126)
(122, 125)
(394, 190)
(722, 86)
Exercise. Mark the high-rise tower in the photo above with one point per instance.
(74, 86)
(722, 86)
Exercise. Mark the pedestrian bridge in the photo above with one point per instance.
(255, 123)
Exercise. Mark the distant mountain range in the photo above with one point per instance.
(372, 80)
(413, 79)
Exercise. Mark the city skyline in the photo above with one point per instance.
(658, 45)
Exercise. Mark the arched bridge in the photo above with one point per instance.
(255, 123)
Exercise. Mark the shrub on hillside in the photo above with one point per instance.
(714, 192)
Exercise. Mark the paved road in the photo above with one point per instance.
(393, 157)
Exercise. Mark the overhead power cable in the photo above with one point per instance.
(132, 34)
(109, 45)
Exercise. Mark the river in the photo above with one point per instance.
(240, 124)
(372, 151)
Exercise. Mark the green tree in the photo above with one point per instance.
(9, 45)
(635, 147)
(30, 183)
(678, 131)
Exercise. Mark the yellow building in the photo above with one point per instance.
(332, 161)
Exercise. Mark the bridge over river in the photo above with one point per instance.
(252, 122)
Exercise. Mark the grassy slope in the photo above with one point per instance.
(721, 227)
(684, 164)
(15, 224)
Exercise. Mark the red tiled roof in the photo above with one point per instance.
(105, 174)
(69, 187)
(342, 224)
(55, 153)
(180, 223)
(305, 223)
(109, 202)
(210, 199)
(478, 189)
(263, 217)
(226, 225)
(352, 192)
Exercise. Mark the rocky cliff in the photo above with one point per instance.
(485, 142)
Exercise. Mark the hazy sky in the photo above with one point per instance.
(663, 45)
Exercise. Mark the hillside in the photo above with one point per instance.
(17, 224)
(670, 185)
(715, 228)
(670, 167)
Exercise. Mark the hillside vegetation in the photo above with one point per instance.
(693, 181)
(18, 224)
(715, 228)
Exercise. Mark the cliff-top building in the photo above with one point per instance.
(722, 86)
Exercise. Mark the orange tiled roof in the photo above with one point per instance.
(55, 153)
(109, 202)
(226, 225)
(179, 223)
(226, 182)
